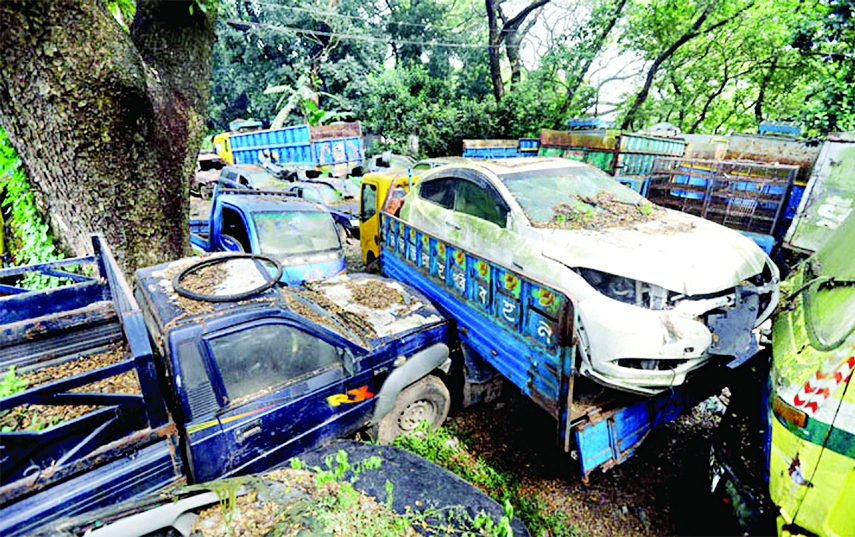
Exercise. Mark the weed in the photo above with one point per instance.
(443, 448)
(12, 383)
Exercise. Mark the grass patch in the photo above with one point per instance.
(444, 448)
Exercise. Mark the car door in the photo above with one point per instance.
(283, 389)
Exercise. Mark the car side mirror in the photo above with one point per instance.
(230, 244)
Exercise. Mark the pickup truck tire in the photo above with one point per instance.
(426, 400)
(206, 192)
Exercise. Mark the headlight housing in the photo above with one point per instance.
(627, 290)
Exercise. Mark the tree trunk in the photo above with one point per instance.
(761, 96)
(591, 54)
(108, 123)
(493, 51)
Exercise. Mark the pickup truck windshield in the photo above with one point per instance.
(538, 191)
(297, 232)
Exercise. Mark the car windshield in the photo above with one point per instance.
(574, 194)
(296, 232)
(266, 180)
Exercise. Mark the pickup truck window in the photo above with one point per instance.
(234, 226)
(369, 201)
(295, 232)
(263, 356)
(439, 191)
(481, 202)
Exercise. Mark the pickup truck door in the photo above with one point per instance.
(284, 388)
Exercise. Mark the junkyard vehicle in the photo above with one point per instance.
(248, 177)
(300, 234)
(522, 328)
(336, 148)
(339, 198)
(208, 166)
(240, 378)
(808, 425)
(660, 293)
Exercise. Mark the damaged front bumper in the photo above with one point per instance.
(647, 351)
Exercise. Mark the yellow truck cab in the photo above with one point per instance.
(374, 190)
(223, 148)
(812, 451)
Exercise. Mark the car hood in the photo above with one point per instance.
(679, 252)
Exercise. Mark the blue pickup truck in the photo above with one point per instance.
(112, 395)
(300, 234)
(515, 326)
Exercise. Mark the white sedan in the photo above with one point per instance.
(659, 293)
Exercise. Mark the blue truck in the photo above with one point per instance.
(336, 148)
(300, 234)
(514, 326)
(109, 394)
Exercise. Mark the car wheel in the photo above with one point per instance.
(426, 400)
(206, 192)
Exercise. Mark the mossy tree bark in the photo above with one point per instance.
(108, 122)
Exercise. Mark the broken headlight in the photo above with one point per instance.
(627, 290)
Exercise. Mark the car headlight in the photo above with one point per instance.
(627, 290)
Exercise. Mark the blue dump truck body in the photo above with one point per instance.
(524, 330)
(337, 148)
(300, 234)
(170, 390)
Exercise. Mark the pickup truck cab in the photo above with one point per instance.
(256, 381)
(300, 234)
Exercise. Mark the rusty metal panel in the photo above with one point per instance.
(601, 139)
(470, 144)
(828, 198)
(774, 150)
(336, 130)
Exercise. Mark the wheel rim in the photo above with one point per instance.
(416, 412)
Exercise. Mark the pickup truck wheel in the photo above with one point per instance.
(206, 192)
(426, 400)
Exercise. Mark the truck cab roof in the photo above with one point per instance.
(362, 309)
(254, 202)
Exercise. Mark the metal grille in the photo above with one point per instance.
(747, 196)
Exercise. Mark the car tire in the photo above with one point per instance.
(206, 192)
(426, 400)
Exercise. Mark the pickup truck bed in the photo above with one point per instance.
(92, 412)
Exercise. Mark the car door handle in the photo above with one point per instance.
(452, 224)
(247, 432)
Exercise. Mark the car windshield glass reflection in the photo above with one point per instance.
(539, 191)
(283, 234)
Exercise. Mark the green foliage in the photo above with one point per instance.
(12, 384)
(442, 447)
(31, 241)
